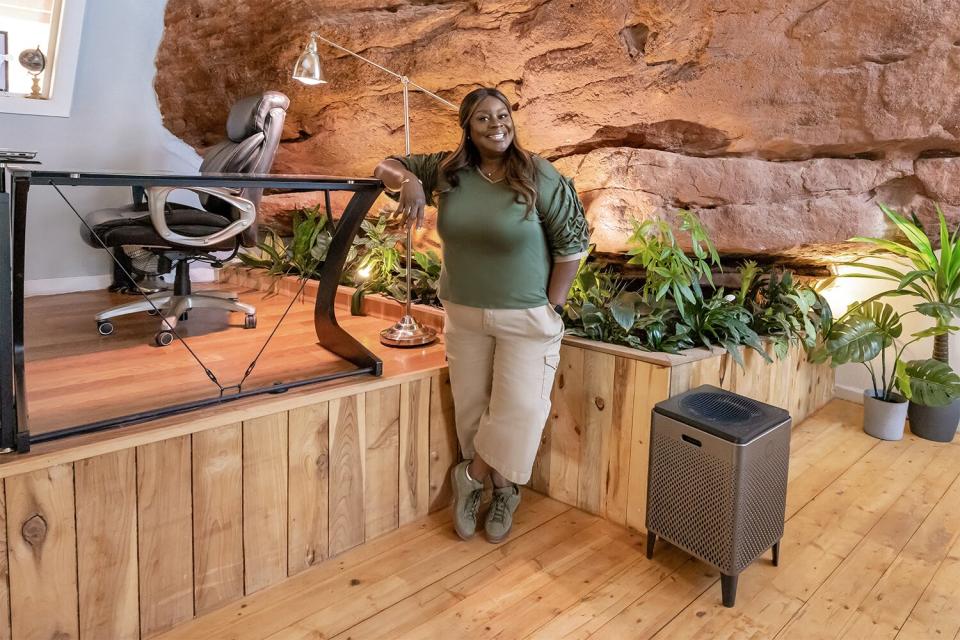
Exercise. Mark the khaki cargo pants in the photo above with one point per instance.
(502, 364)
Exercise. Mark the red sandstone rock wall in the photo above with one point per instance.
(783, 121)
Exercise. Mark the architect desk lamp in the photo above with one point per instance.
(406, 332)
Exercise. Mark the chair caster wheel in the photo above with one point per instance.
(104, 327)
(250, 322)
(163, 338)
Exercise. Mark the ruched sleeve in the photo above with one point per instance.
(426, 166)
(562, 214)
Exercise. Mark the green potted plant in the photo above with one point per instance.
(935, 279)
(864, 333)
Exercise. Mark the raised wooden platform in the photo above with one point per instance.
(871, 551)
(130, 532)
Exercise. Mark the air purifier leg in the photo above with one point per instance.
(776, 553)
(728, 585)
(651, 540)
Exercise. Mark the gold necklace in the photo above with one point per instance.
(489, 174)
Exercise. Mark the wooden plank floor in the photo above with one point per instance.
(75, 376)
(871, 550)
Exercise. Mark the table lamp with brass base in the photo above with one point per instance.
(407, 332)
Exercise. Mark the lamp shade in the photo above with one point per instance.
(308, 70)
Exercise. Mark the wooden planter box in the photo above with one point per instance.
(594, 452)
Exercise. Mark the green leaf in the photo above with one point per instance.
(938, 330)
(930, 382)
(623, 310)
(856, 340)
(939, 310)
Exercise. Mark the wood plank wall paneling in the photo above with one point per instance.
(381, 483)
(566, 425)
(307, 490)
(106, 503)
(347, 472)
(265, 452)
(414, 481)
(653, 384)
(4, 568)
(617, 472)
(444, 448)
(598, 369)
(42, 547)
(165, 533)
(191, 523)
(217, 516)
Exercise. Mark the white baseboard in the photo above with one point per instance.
(52, 286)
(853, 394)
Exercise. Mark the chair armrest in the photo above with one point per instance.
(157, 201)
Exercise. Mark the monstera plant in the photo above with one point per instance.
(872, 331)
(932, 275)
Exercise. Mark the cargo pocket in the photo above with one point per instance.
(550, 364)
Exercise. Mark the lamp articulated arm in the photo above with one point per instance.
(399, 76)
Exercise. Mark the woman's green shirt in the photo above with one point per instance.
(495, 255)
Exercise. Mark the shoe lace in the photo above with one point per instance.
(473, 504)
(499, 506)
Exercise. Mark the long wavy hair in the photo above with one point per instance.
(521, 172)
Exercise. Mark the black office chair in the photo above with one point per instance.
(169, 235)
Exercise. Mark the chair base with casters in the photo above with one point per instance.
(174, 305)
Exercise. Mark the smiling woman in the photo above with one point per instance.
(513, 232)
(42, 41)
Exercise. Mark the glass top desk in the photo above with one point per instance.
(14, 418)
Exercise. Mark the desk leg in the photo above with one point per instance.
(8, 415)
(330, 334)
(21, 186)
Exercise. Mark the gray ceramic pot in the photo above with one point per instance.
(884, 420)
(935, 423)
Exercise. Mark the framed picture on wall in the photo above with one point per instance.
(4, 69)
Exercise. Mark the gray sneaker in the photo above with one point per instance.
(500, 516)
(466, 500)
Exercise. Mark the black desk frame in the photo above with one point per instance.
(14, 418)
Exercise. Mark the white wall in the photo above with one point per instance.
(114, 124)
(852, 379)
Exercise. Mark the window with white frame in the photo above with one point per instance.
(30, 31)
(42, 43)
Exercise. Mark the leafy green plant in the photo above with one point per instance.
(302, 255)
(669, 270)
(720, 320)
(424, 279)
(869, 330)
(377, 253)
(594, 308)
(374, 257)
(935, 279)
(781, 309)
(678, 307)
